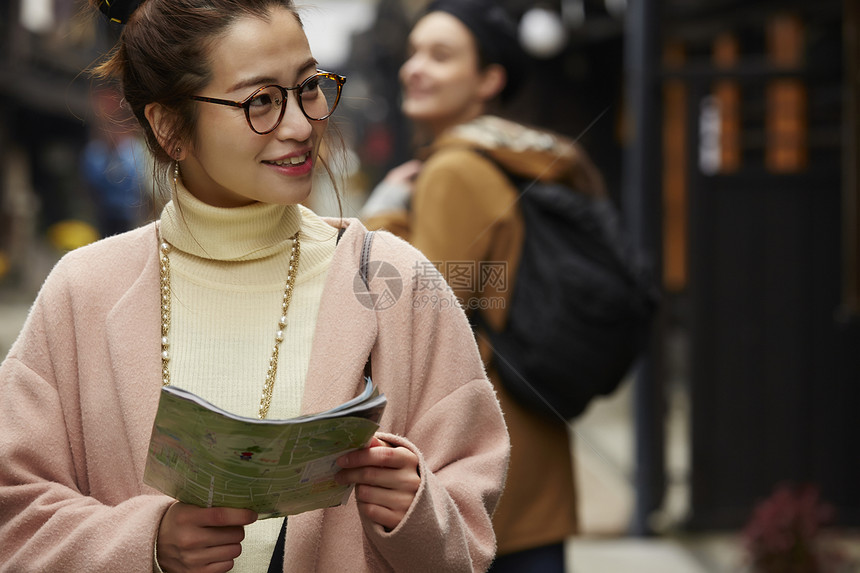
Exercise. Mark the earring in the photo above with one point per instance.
(175, 175)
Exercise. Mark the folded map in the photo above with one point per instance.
(205, 456)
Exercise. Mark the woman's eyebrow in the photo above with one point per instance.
(255, 82)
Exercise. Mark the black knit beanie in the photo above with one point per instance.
(495, 33)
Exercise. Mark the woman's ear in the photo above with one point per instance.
(161, 124)
(493, 80)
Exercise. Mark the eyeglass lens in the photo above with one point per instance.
(317, 98)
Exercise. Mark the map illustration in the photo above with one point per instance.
(202, 455)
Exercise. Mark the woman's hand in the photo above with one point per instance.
(199, 539)
(386, 479)
(393, 193)
(405, 173)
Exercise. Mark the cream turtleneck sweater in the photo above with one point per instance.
(228, 268)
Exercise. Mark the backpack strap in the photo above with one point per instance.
(365, 257)
(276, 563)
(363, 263)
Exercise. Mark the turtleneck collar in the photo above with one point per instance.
(227, 234)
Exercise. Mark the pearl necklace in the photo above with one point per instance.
(269, 385)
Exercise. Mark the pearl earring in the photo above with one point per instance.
(175, 175)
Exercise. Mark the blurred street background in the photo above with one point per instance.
(729, 135)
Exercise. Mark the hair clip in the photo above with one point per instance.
(119, 11)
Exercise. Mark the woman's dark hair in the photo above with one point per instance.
(162, 56)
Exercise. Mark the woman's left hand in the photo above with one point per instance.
(386, 479)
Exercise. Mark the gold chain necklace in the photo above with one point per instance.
(269, 385)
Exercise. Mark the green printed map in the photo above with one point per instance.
(204, 456)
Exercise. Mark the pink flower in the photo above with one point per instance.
(781, 536)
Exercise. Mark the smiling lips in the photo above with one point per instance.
(289, 161)
(416, 91)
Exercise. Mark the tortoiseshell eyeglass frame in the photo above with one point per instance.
(246, 103)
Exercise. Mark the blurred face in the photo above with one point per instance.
(227, 164)
(442, 83)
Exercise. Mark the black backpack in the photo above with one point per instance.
(581, 307)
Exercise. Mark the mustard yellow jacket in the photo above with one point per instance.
(463, 216)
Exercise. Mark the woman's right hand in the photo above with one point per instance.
(393, 193)
(199, 539)
(405, 173)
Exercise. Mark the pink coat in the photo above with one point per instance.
(79, 390)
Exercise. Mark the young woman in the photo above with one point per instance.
(237, 275)
(458, 207)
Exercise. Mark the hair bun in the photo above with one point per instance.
(119, 11)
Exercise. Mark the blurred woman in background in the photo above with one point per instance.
(457, 205)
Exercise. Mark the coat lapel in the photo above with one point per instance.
(345, 333)
(134, 339)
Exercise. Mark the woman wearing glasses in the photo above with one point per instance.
(459, 208)
(248, 299)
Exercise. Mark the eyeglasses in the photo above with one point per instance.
(264, 109)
